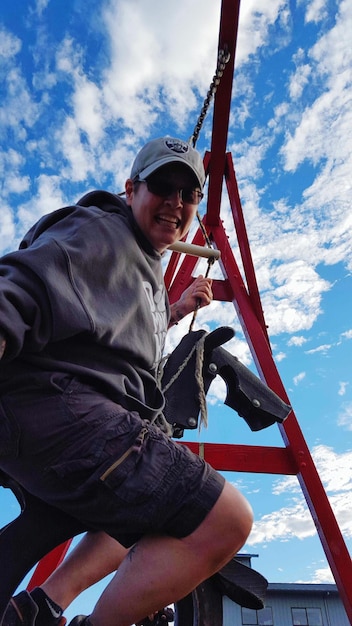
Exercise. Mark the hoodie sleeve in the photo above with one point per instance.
(25, 316)
(39, 301)
(74, 275)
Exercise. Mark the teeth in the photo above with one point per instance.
(169, 220)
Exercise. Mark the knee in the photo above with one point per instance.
(245, 522)
(222, 533)
(238, 516)
(230, 523)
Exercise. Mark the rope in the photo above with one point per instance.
(200, 382)
(210, 262)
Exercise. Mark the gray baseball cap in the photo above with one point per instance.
(164, 150)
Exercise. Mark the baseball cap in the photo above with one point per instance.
(164, 150)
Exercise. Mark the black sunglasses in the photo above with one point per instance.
(164, 189)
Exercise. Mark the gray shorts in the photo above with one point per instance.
(79, 451)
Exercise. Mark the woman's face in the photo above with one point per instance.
(163, 219)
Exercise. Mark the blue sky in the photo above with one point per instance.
(84, 86)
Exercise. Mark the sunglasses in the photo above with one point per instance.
(162, 188)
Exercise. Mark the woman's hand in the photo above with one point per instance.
(197, 295)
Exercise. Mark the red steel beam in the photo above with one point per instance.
(328, 530)
(243, 458)
(48, 564)
(243, 242)
(222, 104)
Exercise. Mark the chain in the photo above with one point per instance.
(223, 58)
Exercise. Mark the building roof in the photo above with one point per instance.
(303, 587)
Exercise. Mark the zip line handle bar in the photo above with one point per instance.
(191, 248)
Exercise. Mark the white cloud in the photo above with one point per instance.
(319, 131)
(78, 154)
(151, 74)
(255, 21)
(40, 6)
(342, 388)
(17, 184)
(7, 227)
(323, 348)
(335, 41)
(299, 80)
(322, 575)
(335, 470)
(316, 11)
(151, 71)
(323, 133)
(287, 523)
(293, 301)
(88, 109)
(19, 111)
(294, 520)
(11, 162)
(10, 45)
(298, 379)
(296, 341)
(47, 198)
(345, 416)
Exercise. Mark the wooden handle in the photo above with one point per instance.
(191, 248)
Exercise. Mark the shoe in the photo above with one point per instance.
(22, 610)
(80, 620)
(161, 618)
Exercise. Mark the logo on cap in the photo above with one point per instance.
(177, 146)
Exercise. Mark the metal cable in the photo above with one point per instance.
(223, 58)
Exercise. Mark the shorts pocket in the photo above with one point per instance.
(95, 445)
(142, 471)
(9, 433)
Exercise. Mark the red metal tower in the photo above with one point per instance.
(295, 457)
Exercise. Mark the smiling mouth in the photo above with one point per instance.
(170, 221)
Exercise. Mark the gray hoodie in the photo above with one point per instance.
(85, 295)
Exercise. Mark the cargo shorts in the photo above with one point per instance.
(72, 447)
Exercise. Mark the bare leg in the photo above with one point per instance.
(96, 556)
(160, 570)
